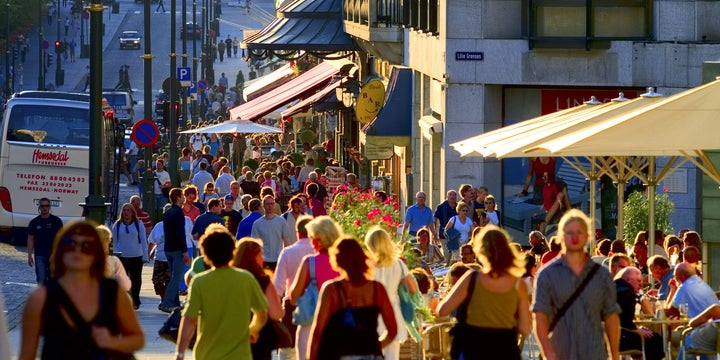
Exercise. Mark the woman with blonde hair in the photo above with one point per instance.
(114, 268)
(323, 231)
(130, 243)
(345, 324)
(79, 313)
(248, 255)
(389, 271)
(492, 304)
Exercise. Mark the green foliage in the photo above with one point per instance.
(297, 159)
(23, 14)
(252, 163)
(636, 210)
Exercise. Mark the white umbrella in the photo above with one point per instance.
(234, 126)
(682, 126)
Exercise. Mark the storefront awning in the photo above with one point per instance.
(313, 26)
(310, 101)
(393, 124)
(256, 87)
(305, 83)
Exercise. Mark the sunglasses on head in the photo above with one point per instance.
(70, 245)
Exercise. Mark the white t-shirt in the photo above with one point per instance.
(198, 141)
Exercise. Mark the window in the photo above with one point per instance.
(587, 23)
(49, 124)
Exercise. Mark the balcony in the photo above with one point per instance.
(377, 25)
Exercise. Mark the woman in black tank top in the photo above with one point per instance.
(346, 322)
(79, 313)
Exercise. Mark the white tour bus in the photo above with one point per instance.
(45, 153)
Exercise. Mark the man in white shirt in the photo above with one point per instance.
(222, 183)
(197, 141)
(287, 266)
(202, 177)
(292, 215)
(162, 181)
(273, 231)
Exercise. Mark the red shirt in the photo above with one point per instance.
(192, 213)
(145, 218)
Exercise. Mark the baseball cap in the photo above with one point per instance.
(229, 197)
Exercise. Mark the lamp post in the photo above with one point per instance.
(95, 201)
(148, 177)
(41, 50)
(59, 76)
(7, 50)
(172, 122)
(184, 60)
(194, 59)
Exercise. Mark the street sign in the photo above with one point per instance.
(145, 133)
(166, 85)
(202, 85)
(192, 89)
(184, 76)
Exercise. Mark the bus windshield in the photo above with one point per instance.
(49, 125)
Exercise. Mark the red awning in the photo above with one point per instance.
(305, 104)
(306, 82)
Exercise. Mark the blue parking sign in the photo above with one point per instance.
(183, 74)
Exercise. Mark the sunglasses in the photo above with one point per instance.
(71, 245)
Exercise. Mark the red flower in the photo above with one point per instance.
(358, 222)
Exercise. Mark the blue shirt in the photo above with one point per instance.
(204, 220)
(245, 228)
(664, 290)
(418, 218)
(696, 293)
(443, 213)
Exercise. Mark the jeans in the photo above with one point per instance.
(42, 269)
(176, 266)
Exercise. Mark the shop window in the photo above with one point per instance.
(587, 23)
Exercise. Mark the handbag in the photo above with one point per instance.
(408, 303)
(165, 190)
(171, 328)
(452, 236)
(306, 304)
(462, 333)
(273, 335)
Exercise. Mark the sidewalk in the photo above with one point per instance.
(74, 71)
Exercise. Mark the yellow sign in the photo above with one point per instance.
(370, 101)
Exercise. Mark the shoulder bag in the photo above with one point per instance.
(463, 336)
(306, 304)
(566, 305)
(452, 236)
(165, 190)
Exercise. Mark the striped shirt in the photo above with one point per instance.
(580, 333)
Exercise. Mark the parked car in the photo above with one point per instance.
(123, 104)
(129, 39)
(160, 99)
(191, 28)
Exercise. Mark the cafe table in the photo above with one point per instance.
(667, 324)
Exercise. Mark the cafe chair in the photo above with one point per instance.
(437, 339)
(630, 353)
(697, 352)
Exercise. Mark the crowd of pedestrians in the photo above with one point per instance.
(257, 247)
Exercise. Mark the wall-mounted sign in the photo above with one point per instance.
(370, 101)
(378, 152)
(469, 56)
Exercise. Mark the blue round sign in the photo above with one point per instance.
(145, 133)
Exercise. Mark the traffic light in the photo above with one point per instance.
(48, 60)
(166, 114)
(58, 46)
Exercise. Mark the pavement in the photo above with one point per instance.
(74, 71)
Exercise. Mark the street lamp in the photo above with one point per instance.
(7, 50)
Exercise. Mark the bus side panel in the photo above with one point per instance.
(34, 172)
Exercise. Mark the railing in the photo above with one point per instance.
(421, 15)
(375, 13)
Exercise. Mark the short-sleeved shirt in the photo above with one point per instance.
(231, 219)
(443, 213)
(664, 290)
(418, 218)
(272, 232)
(580, 333)
(222, 300)
(43, 232)
(245, 228)
(204, 220)
(696, 293)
